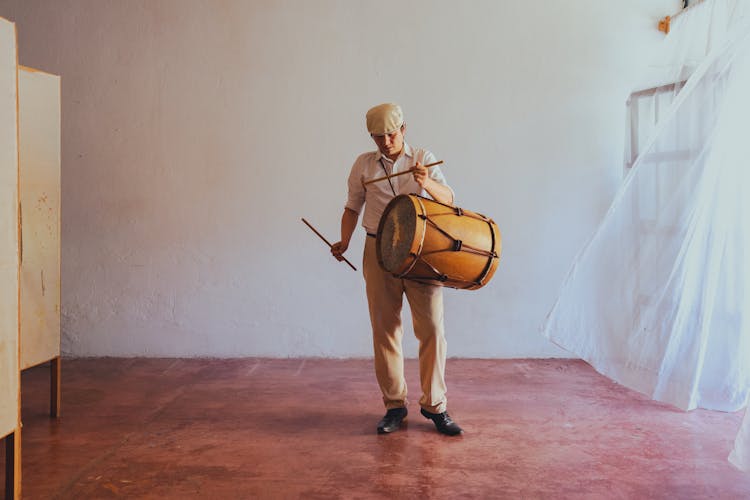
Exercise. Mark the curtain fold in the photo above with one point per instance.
(659, 297)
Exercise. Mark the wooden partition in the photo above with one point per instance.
(10, 428)
(39, 171)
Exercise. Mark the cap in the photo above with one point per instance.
(384, 119)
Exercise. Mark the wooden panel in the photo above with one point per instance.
(9, 397)
(39, 167)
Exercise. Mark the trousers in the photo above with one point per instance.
(385, 298)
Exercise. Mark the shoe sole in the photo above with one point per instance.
(383, 430)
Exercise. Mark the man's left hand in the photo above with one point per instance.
(421, 175)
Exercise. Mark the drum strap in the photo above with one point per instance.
(386, 173)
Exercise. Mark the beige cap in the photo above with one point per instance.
(384, 119)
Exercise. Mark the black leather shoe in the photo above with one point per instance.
(392, 420)
(443, 422)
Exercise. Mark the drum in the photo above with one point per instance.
(422, 240)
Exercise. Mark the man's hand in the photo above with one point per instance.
(421, 175)
(338, 249)
(439, 192)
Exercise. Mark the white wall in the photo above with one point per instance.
(197, 133)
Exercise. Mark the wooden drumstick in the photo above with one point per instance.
(400, 173)
(327, 243)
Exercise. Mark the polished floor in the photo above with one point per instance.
(305, 428)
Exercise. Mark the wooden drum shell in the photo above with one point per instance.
(430, 242)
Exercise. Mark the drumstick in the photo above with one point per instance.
(400, 173)
(323, 238)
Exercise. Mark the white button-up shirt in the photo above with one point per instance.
(374, 197)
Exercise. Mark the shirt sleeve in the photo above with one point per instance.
(356, 191)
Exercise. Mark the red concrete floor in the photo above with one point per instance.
(262, 428)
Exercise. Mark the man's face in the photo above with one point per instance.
(391, 144)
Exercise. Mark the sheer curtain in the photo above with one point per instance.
(659, 297)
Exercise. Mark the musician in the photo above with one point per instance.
(386, 126)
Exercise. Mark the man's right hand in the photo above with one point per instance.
(338, 249)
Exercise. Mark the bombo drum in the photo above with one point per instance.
(422, 240)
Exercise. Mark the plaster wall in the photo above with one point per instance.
(196, 134)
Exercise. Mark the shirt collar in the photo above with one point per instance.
(408, 151)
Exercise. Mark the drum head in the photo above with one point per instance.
(396, 233)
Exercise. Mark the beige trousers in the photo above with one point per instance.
(385, 296)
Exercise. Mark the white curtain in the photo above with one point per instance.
(659, 298)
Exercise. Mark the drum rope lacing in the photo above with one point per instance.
(458, 246)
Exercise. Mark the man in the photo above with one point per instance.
(386, 126)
